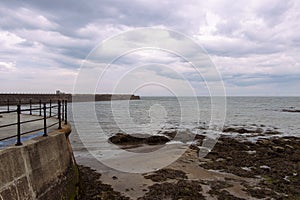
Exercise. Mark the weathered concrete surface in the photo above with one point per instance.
(42, 168)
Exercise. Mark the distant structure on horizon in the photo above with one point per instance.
(14, 99)
(59, 92)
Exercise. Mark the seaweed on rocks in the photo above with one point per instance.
(182, 189)
(92, 188)
(164, 174)
(275, 160)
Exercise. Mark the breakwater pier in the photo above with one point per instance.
(36, 156)
(14, 99)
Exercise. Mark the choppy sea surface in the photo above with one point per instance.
(255, 116)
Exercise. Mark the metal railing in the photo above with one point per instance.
(45, 110)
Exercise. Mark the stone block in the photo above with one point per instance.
(24, 192)
(9, 193)
(12, 165)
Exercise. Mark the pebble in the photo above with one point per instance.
(246, 169)
(289, 146)
(265, 167)
(287, 178)
(220, 160)
(278, 149)
(251, 152)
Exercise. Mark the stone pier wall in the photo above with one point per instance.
(42, 168)
(14, 99)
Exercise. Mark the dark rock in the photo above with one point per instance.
(273, 160)
(289, 147)
(164, 174)
(92, 188)
(199, 137)
(156, 139)
(278, 149)
(263, 142)
(126, 139)
(217, 190)
(292, 110)
(242, 130)
(272, 132)
(194, 147)
(121, 138)
(183, 189)
(183, 136)
(260, 193)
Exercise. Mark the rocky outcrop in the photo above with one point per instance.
(274, 159)
(127, 139)
(251, 130)
(242, 130)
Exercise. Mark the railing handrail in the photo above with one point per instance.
(47, 111)
(28, 109)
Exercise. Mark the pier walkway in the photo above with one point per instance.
(8, 118)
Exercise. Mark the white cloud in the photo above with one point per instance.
(33, 19)
(51, 38)
(22, 16)
(31, 79)
(7, 67)
(254, 42)
(8, 39)
(100, 32)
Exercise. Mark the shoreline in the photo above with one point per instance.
(233, 169)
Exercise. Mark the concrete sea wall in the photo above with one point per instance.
(42, 168)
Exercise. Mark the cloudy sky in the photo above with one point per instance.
(254, 45)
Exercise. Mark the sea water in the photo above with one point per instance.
(156, 115)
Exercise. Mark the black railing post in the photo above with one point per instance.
(40, 102)
(59, 114)
(63, 110)
(50, 108)
(20, 107)
(45, 120)
(18, 125)
(30, 107)
(66, 111)
(7, 104)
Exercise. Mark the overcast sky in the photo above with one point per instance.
(255, 44)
